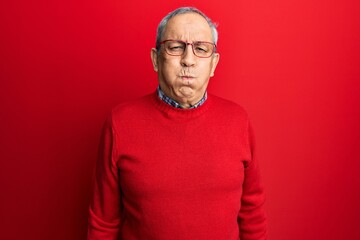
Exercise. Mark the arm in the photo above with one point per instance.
(251, 218)
(105, 207)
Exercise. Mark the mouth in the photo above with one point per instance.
(187, 77)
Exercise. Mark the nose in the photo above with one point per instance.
(188, 58)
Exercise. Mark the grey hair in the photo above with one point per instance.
(182, 10)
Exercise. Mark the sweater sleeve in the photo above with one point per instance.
(251, 218)
(105, 206)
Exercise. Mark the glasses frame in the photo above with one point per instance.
(192, 47)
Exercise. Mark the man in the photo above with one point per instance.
(178, 163)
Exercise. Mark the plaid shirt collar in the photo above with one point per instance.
(175, 104)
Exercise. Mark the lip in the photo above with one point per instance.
(187, 77)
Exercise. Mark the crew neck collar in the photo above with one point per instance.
(179, 113)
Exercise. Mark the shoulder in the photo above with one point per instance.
(132, 107)
(130, 112)
(228, 108)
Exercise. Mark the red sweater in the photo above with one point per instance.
(173, 174)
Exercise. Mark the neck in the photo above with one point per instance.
(183, 103)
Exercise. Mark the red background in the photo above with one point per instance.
(294, 65)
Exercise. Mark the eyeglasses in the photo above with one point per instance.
(200, 49)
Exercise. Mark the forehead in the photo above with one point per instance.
(189, 27)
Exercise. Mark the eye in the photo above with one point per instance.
(202, 48)
(175, 46)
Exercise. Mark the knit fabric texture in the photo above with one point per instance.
(165, 173)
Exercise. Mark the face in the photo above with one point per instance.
(185, 78)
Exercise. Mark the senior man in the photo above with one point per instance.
(178, 163)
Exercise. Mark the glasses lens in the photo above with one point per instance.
(203, 49)
(175, 48)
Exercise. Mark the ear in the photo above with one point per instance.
(154, 58)
(214, 61)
